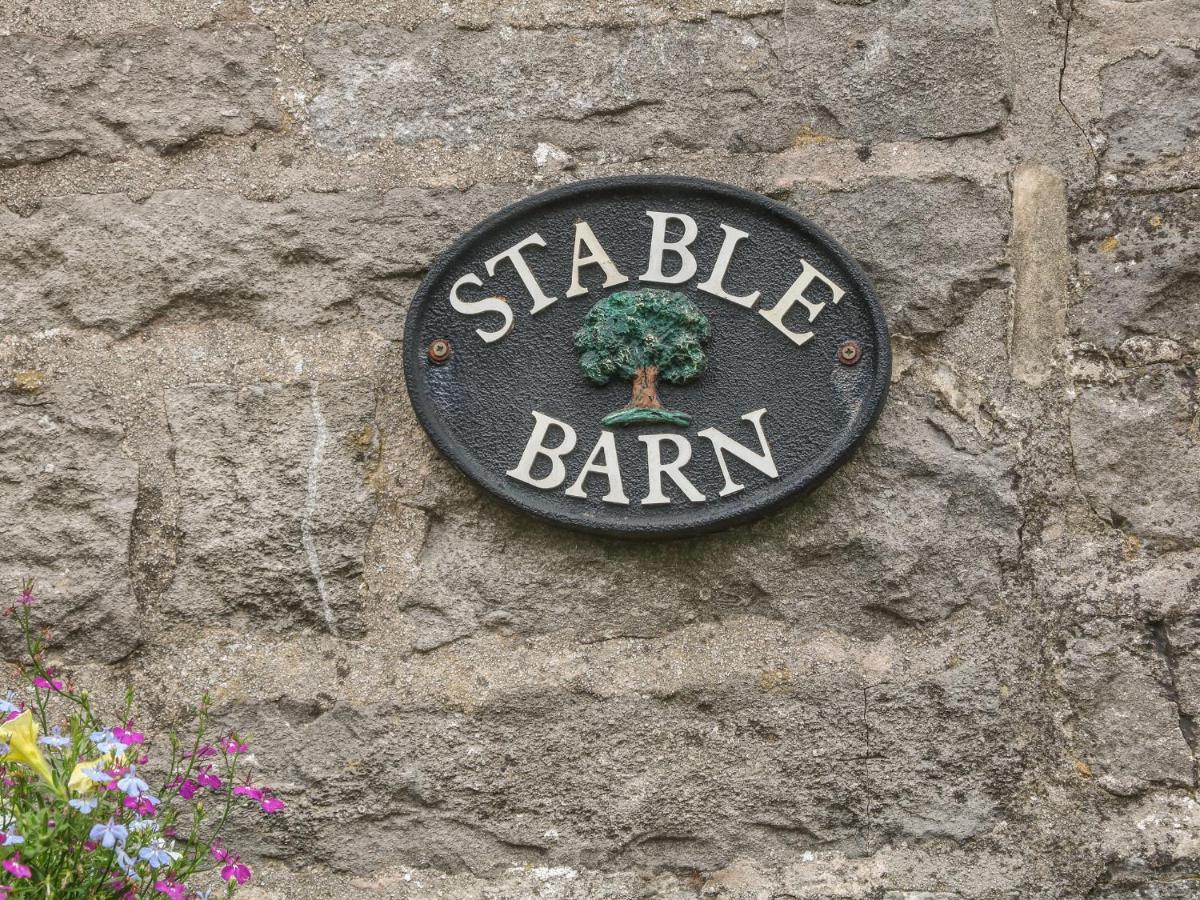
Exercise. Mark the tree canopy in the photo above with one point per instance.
(632, 330)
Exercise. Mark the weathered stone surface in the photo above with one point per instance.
(730, 83)
(1122, 691)
(157, 88)
(739, 739)
(930, 247)
(1139, 269)
(67, 497)
(192, 256)
(274, 502)
(1151, 106)
(1137, 455)
(915, 560)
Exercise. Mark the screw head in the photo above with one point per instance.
(439, 351)
(849, 353)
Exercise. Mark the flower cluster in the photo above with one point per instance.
(89, 810)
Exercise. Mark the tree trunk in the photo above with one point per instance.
(645, 388)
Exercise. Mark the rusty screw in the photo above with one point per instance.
(849, 353)
(439, 351)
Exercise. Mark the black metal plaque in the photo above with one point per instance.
(646, 356)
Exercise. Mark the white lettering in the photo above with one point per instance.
(513, 255)
(606, 446)
(478, 307)
(659, 245)
(723, 444)
(597, 256)
(794, 295)
(535, 448)
(656, 468)
(715, 283)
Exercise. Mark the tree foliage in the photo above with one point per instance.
(631, 330)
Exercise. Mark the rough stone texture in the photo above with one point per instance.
(274, 501)
(967, 666)
(1137, 446)
(738, 84)
(156, 88)
(67, 499)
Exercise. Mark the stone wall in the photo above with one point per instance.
(967, 666)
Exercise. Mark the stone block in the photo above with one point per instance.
(274, 503)
(155, 88)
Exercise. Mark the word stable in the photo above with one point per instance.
(588, 251)
(604, 461)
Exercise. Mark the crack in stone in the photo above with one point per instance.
(1068, 15)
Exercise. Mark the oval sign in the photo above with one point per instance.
(646, 356)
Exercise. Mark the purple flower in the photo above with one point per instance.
(171, 888)
(236, 871)
(207, 779)
(128, 738)
(15, 868)
(109, 834)
(53, 685)
(231, 745)
(187, 789)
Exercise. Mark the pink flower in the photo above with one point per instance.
(27, 598)
(231, 745)
(16, 870)
(202, 752)
(207, 779)
(52, 685)
(143, 806)
(128, 738)
(171, 888)
(187, 789)
(247, 790)
(236, 871)
(219, 851)
(270, 803)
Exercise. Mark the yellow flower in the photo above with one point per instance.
(21, 736)
(79, 782)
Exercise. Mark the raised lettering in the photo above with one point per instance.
(656, 468)
(606, 446)
(723, 444)
(536, 447)
(513, 255)
(660, 245)
(597, 256)
(794, 295)
(479, 307)
(715, 283)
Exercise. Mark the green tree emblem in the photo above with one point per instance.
(643, 336)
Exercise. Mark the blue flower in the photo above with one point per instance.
(55, 738)
(105, 742)
(83, 806)
(143, 825)
(4, 749)
(157, 855)
(97, 775)
(7, 706)
(132, 785)
(109, 834)
(126, 864)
